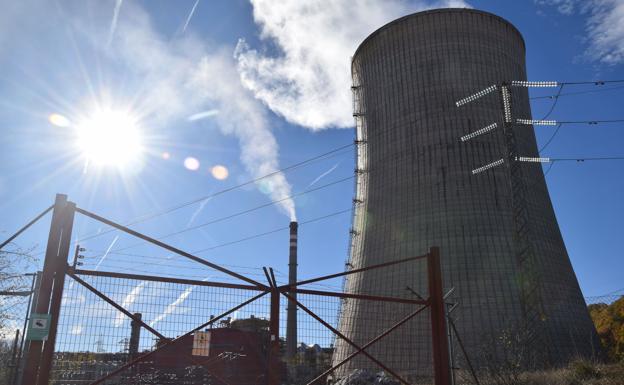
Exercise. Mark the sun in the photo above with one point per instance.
(109, 138)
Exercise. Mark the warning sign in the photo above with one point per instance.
(201, 344)
(38, 327)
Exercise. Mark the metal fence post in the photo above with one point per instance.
(38, 360)
(441, 367)
(273, 360)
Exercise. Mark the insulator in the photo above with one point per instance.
(488, 166)
(532, 159)
(537, 122)
(479, 132)
(524, 83)
(475, 96)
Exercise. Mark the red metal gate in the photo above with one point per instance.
(206, 346)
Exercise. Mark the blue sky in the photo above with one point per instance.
(272, 84)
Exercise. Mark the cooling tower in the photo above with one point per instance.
(415, 189)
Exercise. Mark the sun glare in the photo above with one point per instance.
(109, 138)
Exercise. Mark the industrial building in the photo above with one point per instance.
(415, 189)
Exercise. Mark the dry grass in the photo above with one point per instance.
(579, 372)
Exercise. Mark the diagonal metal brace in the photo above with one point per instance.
(347, 340)
(116, 306)
(371, 342)
(168, 342)
(168, 247)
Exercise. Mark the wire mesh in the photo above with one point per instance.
(94, 339)
(14, 306)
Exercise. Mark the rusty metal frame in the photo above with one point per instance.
(171, 342)
(57, 249)
(169, 247)
(153, 278)
(368, 344)
(345, 338)
(116, 306)
(372, 267)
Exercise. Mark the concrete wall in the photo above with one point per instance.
(417, 190)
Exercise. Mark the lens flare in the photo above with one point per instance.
(191, 163)
(219, 172)
(59, 120)
(166, 156)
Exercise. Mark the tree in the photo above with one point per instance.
(15, 286)
(609, 321)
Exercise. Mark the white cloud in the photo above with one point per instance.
(605, 29)
(185, 75)
(567, 7)
(604, 26)
(308, 83)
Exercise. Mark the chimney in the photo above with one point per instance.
(291, 320)
(135, 337)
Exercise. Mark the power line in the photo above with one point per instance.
(252, 236)
(586, 159)
(550, 140)
(274, 231)
(591, 122)
(156, 214)
(221, 219)
(552, 108)
(594, 82)
(555, 96)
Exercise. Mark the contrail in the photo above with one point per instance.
(197, 211)
(113, 26)
(323, 175)
(106, 253)
(188, 19)
(129, 300)
(173, 305)
(202, 115)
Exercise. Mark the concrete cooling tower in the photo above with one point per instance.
(415, 189)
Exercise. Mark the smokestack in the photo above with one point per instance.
(135, 336)
(291, 320)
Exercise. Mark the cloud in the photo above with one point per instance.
(308, 81)
(185, 75)
(604, 26)
(567, 7)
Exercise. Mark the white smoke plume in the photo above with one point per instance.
(308, 83)
(186, 75)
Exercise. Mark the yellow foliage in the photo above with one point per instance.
(609, 322)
